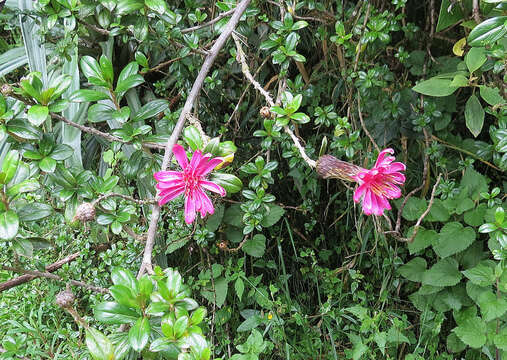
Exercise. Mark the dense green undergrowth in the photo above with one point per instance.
(288, 266)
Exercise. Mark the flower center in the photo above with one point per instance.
(191, 182)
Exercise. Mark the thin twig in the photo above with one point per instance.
(125, 197)
(48, 275)
(146, 264)
(26, 278)
(246, 71)
(93, 27)
(423, 215)
(107, 136)
(209, 23)
(364, 126)
(454, 147)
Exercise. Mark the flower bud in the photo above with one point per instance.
(330, 167)
(65, 299)
(265, 112)
(85, 212)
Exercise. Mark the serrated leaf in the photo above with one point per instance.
(453, 238)
(443, 273)
(414, 269)
(255, 246)
(472, 332)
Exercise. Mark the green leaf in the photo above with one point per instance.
(443, 273)
(435, 87)
(453, 238)
(475, 58)
(34, 211)
(116, 227)
(156, 5)
(129, 6)
(121, 115)
(61, 152)
(491, 95)
(123, 295)
(481, 275)
(23, 130)
(100, 112)
(255, 246)
(221, 287)
(422, 240)
(151, 109)
(231, 183)
(128, 83)
(239, 287)
(447, 18)
(9, 166)
(474, 182)
(472, 332)
(47, 164)
(124, 277)
(22, 187)
(454, 344)
(474, 115)
(9, 224)
(213, 222)
(274, 214)
(22, 247)
(414, 269)
(106, 68)
(492, 307)
(193, 138)
(37, 114)
(180, 325)
(500, 339)
(114, 313)
(414, 208)
(88, 95)
(300, 118)
(99, 346)
(139, 334)
(488, 31)
(91, 69)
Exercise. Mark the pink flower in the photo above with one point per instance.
(379, 184)
(191, 181)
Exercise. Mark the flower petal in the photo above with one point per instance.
(394, 167)
(189, 209)
(381, 161)
(167, 175)
(180, 155)
(166, 196)
(170, 184)
(205, 168)
(211, 186)
(196, 159)
(359, 193)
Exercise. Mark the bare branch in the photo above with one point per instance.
(146, 264)
(365, 129)
(48, 275)
(26, 278)
(246, 71)
(107, 136)
(209, 23)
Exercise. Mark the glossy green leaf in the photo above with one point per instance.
(33, 211)
(23, 130)
(475, 58)
(139, 334)
(88, 95)
(114, 313)
(99, 346)
(9, 166)
(488, 31)
(37, 114)
(231, 183)
(47, 164)
(9, 224)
